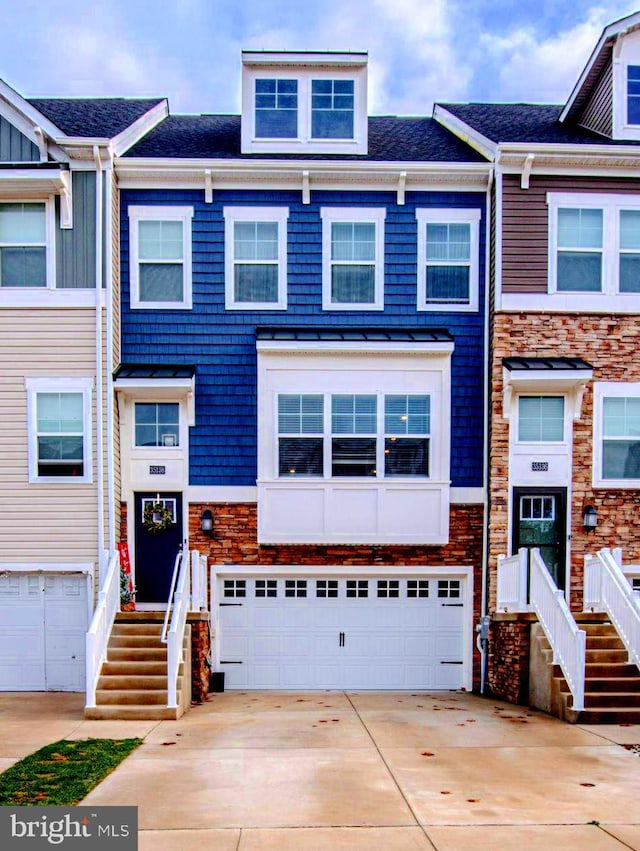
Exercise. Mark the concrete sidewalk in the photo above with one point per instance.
(349, 772)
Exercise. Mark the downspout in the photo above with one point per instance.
(99, 365)
(482, 629)
(111, 490)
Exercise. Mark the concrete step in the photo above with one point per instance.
(131, 712)
(138, 617)
(135, 628)
(136, 697)
(615, 715)
(132, 639)
(604, 642)
(591, 618)
(613, 684)
(133, 668)
(609, 669)
(137, 654)
(602, 656)
(118, 681)
(599, 699)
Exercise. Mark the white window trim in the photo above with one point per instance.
(606, 390)
(151, 213)
(540, 443)
(50, 248)
(327, 434)
(367, 215)
(34, 386)
(304, 141)
(626, 52)
(611, 206)
(279, 215)
(446, 216)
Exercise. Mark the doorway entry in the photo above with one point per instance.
(540, 521)
(156, 551)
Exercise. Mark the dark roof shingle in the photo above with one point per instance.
(93, 117)
(525, 122)
(218, 137)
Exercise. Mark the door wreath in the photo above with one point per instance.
(156, 518)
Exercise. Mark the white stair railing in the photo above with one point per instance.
(512, 583)
(567, 641)
(173, 632)
(99, 631)
(608, 590)
(198, 581)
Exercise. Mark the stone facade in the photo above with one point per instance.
(611, 344)
(508, 662)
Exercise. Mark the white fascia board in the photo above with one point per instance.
(23, 107)
(465, 132)
(550, 379)
(352, 347)
(549, 153)
(139, 128)
(45, 567)
(301, 58)
(610, 32)
(449, 571)
(134, 385)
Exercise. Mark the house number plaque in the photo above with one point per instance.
(539, 466)
(157, 470)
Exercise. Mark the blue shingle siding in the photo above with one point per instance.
(222, 346)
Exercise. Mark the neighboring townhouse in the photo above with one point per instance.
(301, 387)
(565, 362)
(58, 343)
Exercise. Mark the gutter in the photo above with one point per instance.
(111, 530)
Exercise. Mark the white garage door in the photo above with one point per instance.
(44, 621)
(341, 633)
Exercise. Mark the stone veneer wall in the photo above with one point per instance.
(508, 662)
(611, 344)
(235, 541)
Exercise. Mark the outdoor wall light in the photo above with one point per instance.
(589, 518)
(206, 522)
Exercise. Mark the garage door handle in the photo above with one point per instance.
(450, 663)
(228, 662)
(230, 604)
(453, 605)
(341, 639)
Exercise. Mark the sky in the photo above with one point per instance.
(420, 51)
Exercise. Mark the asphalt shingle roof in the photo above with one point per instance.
(93, 117)
(524, 122)
(218, 137)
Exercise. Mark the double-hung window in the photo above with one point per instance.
(633, 94)
(256, 258)
(448, 264)
(160, 257)
(540, 419)
(594, 244)
(347, 435)
(276, 115)
(617, 434)
(332, 109)
(25, 244)
(59, 412)
(353, 258)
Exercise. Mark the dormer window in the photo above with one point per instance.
(276, 109)
(301, 103)
(332, 106)
(633, 94)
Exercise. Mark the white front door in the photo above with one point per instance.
(321, 632)
(44, 619)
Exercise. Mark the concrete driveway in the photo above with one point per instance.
(355, 771)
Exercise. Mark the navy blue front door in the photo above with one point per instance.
(156, 551)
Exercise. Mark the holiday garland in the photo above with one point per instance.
(156, 518)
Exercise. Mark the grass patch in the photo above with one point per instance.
(62, 774)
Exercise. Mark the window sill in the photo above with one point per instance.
(60, 480)
(42, 297)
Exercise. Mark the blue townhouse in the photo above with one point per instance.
(301, 396)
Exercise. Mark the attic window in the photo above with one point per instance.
(276, 109)
(633, 94)
(332, 109)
